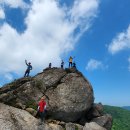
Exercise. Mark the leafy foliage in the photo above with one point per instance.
(121, 117)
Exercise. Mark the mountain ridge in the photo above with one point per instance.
(121, 117)
(126, 107)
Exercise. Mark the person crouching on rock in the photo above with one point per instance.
(42, 108)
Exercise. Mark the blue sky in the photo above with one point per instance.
(96, 33)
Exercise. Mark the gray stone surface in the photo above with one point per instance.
(73, 126)
(16, 119)
(93, 126)
(56, 127)
(104, 121)
(31, 111)
(50, 77)
(71, 98)
(70, 126)
(95, 111)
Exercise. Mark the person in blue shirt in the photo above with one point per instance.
(29, 67)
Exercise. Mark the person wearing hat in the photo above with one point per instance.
(70, 61)
(29, 67)
(42, 108)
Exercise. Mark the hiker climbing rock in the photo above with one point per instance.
(29, 67)
(62, 64)
(42, 108)
(70, 61)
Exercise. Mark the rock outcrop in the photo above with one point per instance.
(15, 119)
(69, 95)
(93, 126)
(104, 121)
(71, 98)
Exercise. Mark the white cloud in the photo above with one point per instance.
(81, 11)
(14, 3)
(120, 42)
(50, 33)
(94, 64)
(2, 14)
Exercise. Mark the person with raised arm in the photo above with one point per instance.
(29, 67)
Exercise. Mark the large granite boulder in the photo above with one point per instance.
(71, 98)
(70, 103)
(69, 94)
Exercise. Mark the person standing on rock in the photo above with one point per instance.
(42, 108)
(70, 61)
(49, 65)
(74, 65)
(62, 64)
(29, 67)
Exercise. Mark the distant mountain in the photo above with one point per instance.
(126, 107)
(121, 117)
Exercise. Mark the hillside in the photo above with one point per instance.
(121, 117)
(126, 107)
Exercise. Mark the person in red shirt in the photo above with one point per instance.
(42, 108)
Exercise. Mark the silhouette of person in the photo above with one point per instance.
(62, 64)
(74, 65)
(29, 67)
(49, 65)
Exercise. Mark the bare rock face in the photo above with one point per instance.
(93, 126)
(95, 111)
(71, 98)
(15, 119)
(50, 77)
(72, 126)
(104, 121)
(69, 94)
(31, 111)
(55, 127)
